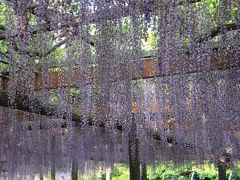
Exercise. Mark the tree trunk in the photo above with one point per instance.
(74, 170)
(108, 174)
(134, 161)
(144, 172)
(53, 165)
(222, 171)
(41, 176)
(53, 173)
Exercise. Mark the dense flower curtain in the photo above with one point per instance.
(79, 76)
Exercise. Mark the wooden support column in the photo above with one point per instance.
(74, 169)
(134, 160)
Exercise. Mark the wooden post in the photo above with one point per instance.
(134, 161)
(74, 169)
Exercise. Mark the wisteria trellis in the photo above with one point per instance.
(187, 110)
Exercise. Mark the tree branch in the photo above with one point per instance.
(2, 27)
(218, 31)
(186, 2)
(40, 54)
(34, 30)
(5, 56)
(2, 36)
(56, 46)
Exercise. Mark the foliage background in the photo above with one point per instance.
(168, 171)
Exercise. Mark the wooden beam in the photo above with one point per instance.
(33, 106)
(24, 104)
(148, 68)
